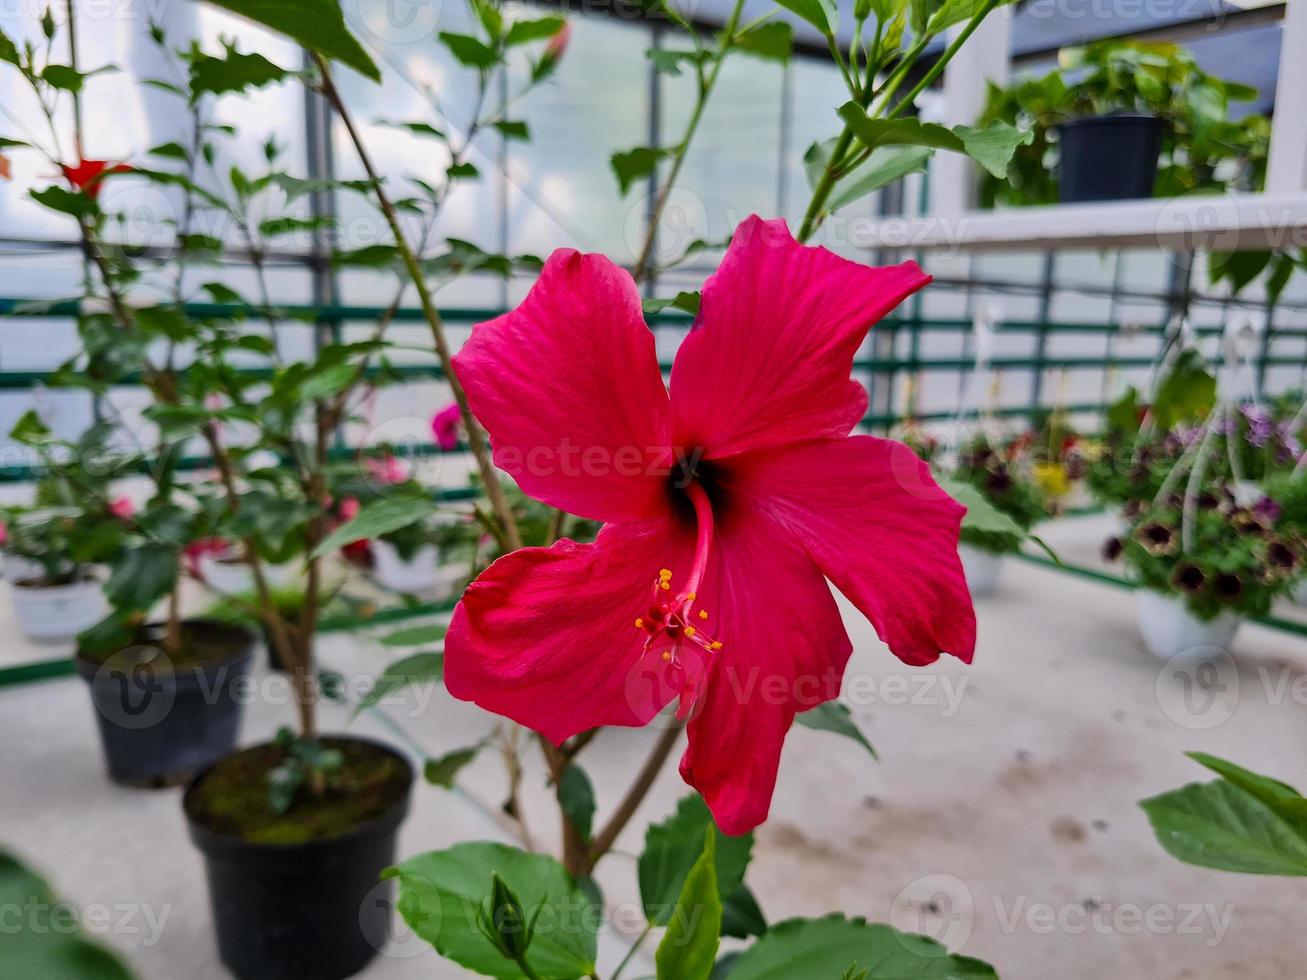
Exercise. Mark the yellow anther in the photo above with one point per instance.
(664, 573)
(667, 654)
(716, 645)
(689, 597)
(689, 631)
(639, 623)
(665, 586)
(703, 613)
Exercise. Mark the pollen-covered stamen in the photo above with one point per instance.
(672, 621)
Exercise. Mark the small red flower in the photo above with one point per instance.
(87, 175)
(730, 501)
(445, 426)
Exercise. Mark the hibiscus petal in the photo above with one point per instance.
(769, 358)
(880, 528)
(784, 649)
(547, 636)
(569, 389)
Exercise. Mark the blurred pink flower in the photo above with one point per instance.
(386, 469)
(444, 426)
(349, 508)
(557, 45)
(4, 534)
(122, 507)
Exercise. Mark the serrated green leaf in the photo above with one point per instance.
(827, 947)
(990, 146)
(632, 165)
(439, 893)
(235, 72)
(673, 845)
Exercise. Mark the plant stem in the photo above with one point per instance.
(574, 845)
(630, 953)
(944, 59)
(642, 267)
(476, 437)
(813, 217)
(607, 837)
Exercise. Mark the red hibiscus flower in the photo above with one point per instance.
(445, 426)
(88, 175)
(729, 502)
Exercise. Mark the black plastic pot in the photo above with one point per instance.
(1108, 158)
(312, 911)
(159, 725)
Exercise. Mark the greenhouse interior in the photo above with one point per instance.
(364, 616)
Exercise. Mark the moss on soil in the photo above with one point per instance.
(232, 798)
(203, 643)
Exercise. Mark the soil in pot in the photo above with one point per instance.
(299, 895)
(164, 717)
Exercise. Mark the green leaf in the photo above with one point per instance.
(234, 73)
(630, 166)
(686, 302)
(6, 143)
(513, 129)
(1187, 393)
(826, 947)
(773, 41)
(885, 165)
(442, 771)
(991, 146)
(420, 668)
(141, 576)
(417, 128)
(821, 14)
(576, 799)
(316, 24)
(440, 891)
(668, 61)
(1240, 268)
(41, 938)
(690, 944)
(831, 716)
(412, 636)
(60, 199)
(741, 915)
(540, 29)
(463, 170)
(66, 78)
(8, 50)
(981, 515)
(377, 518)
(952, 12)
(469, 52)
(1224, 826)
(670, 850)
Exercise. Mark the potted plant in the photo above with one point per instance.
(1126, 119)
(1204, 563)
(55, 595)
(998, 474)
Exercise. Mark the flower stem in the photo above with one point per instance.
(607, 837)
(642, 267)
(476, 437)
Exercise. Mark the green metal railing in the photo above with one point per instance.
(878, 370)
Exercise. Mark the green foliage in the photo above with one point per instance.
(377, 518)
(1000, 488)
(426, 667)
(443, 770)
(1241, 822)
(990, 145)
(1202, 149)
(576, 799)
(693, 934)
(832, 716)
(441, 891)
(1186, 393)
(318, 25)
(826, 947)
(671, 849)
(234, 72)
(308, 763)
(630, 166)
(42, 940)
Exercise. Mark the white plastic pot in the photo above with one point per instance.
(1299, 593)
(18, 569)
(1170, 630)
(57, 613)
(982, 569)
(235, 578)
(420, 574)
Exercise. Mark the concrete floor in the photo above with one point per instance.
(1002, 818)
